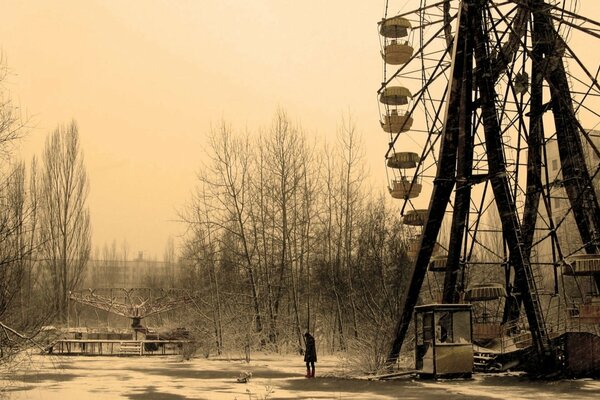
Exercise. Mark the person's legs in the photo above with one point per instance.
(312, 364)
(307, 370)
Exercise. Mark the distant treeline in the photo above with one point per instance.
(286, 236)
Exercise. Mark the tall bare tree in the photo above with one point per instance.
(170, 259)
(285, 150)
(64, 217)
(227, 180)
(351, 180)
(20, 314)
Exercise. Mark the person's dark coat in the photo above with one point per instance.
(311, 351)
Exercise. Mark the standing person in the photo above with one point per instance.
(310, 355)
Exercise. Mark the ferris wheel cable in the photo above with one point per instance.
(420, 9)
(569, 210)
(425, 152)
(581, 105)
(581, 129)
(423, 70)
(593, 79)
(432, 78)
(440, 74)
(434, 59)
(416, 102)
(496, 22)
(584, 94)
(510, 88)
(479, 243)
(525, 3)
(567, 31)
(518, 112)
(420, 26)
(505, 51)
(556, 248)
(439, 52)
(595, 32)
(546, 218)
(428, 98)
(511, 123)
(478, 248)
(418, 53)
(594, 241)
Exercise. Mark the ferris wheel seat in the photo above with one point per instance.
(437, 263)
(397, 53)
(402, 160)
(394, 123)
(395, 96)
(415, 217)
(485, 292)
(395, 27)
(588, 313)
(413, 246)
(487, 330)
(403, 189)
(582, 265)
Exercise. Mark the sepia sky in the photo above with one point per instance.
(145, 79)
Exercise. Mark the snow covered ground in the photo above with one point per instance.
(273, 377)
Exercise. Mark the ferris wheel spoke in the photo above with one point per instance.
(594, 30)
(561, 100)
(413, 57)
(419, 96)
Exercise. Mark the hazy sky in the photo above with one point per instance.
(146, 78)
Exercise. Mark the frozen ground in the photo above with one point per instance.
(274, 377)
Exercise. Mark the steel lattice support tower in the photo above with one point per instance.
(471, 97)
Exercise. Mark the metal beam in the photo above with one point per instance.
(442, 187)
(511, 226)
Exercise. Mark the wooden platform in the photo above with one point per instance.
(111, 347)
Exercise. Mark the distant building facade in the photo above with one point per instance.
(568, 233)
(130, 273)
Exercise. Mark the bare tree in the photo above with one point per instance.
(200, 258)
(352, 177)
(170, 259)
(227, 180)
(289, 174)
(64, 217)
(20, 314)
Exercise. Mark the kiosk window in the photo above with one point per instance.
(443, 327)
(461, 327)
(419, 328)
(428, 327)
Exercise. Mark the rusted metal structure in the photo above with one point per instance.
(133, 303)
(500, 90)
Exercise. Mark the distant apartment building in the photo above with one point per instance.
(567, 232)
(562, 218)
(130, 273)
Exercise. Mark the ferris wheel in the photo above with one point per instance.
(493, 155)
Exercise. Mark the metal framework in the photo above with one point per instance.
(495, 95)
(133, 303)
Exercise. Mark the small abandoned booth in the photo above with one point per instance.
(443, 340)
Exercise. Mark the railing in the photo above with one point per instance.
(115, 347)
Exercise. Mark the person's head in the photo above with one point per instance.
(306, 334)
